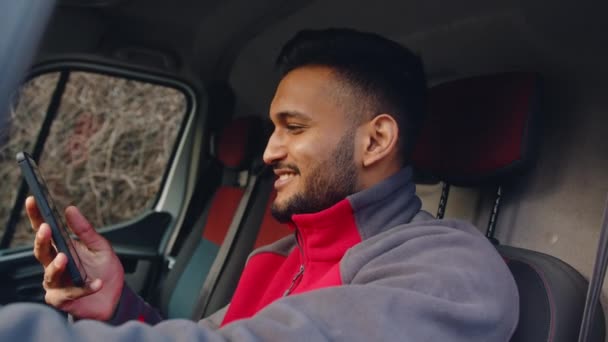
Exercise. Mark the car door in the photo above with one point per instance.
(117, 143)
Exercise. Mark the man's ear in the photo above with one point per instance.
(382, 133)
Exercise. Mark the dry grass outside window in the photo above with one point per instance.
(107, 150)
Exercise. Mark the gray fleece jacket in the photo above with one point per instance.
(374, 267)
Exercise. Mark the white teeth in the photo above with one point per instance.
(285, 176)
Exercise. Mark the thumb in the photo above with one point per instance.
(84, 230)
(61, 298)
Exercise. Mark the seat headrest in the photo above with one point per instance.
(480, 130)
(240, 142)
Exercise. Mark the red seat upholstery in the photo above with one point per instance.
(238, 145)
(481, 129)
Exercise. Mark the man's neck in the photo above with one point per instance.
(373, 175)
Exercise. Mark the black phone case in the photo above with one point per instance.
(36, 185)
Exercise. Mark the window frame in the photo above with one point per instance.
(128, 72)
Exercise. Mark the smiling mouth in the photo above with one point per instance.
(286, 176)
(283, 178)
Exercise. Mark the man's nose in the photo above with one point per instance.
(275, 150)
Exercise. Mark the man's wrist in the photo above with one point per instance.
(119, 314)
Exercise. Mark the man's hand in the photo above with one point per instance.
(100, 295)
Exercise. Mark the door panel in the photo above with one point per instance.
(21, 278)
(135, 242)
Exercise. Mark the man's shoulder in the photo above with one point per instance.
(449, 260)
(424, 227)
(428, 241)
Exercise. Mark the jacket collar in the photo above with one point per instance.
(328, 234)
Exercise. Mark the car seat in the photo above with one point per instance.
(484, 131)
(236, 149)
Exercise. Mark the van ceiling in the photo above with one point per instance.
(239, 39)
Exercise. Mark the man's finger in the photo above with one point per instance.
(54, 271)
(33, 213)
(59, 298)
(84, 230)
(43, 250)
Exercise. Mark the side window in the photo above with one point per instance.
(26, 119)
(106, 149)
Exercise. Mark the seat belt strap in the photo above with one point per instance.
(597, 280)
(222, 255)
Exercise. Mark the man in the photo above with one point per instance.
(365, 263)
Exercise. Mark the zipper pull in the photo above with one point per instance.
(293, 281)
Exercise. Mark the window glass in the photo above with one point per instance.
(20, 134)
(109, 146)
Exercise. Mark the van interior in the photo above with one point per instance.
(514, 143)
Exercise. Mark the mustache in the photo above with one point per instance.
(291, 167)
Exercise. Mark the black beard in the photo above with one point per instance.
(330, 182)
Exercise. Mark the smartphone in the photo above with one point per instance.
(59, 232)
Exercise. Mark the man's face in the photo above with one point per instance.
(312, 148)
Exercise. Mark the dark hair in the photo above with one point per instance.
(388, 75)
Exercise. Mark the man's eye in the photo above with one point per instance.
(294, 128)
